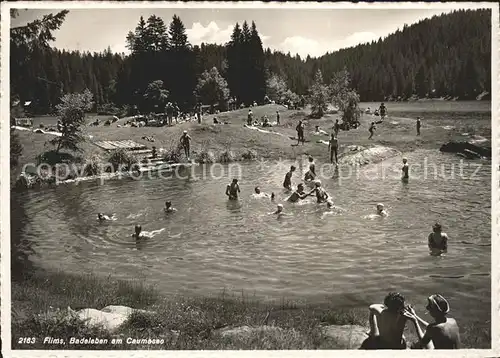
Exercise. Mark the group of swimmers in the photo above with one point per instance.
(388, 321)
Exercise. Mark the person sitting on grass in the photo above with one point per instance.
(387, 323)
(443, 333)
(168, 207)
(287, 183)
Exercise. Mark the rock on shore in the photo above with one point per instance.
(471, 149)
(110, 317)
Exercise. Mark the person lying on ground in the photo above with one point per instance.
(387, 323)
(443, 333)
(319, 131)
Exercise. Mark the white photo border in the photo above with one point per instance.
(5, 276)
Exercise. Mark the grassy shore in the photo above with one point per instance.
(237, 139)
(40, 309)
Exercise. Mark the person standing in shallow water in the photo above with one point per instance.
(443, 333)
(371, 130)
(405, 169)
(437, 240)
(287, 183)
(418, 125)
(300, 133)
(185, 142)
(232, 190)
(333, 148)
(278, 117)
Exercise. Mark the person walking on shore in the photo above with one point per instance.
(186, 144)
(371, 130)
(336, 127)
(278, 117)
(333, 148)
(250, 117)
(418, 125)
(300, 133)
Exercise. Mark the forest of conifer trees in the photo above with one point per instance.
(445, 56)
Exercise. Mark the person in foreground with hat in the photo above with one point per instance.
(186, 143)
(441, 334)
(437, 240)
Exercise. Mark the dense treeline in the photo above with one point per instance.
(445, 56)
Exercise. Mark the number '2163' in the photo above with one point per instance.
(26, 340)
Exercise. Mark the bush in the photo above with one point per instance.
(205, 157)
(121, 159)
(52, 157)
(173, 154)
(93, 165)
(227, 156)
(249, 154)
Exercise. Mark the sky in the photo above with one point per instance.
(305, 32)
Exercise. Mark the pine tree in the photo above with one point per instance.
(319, 96)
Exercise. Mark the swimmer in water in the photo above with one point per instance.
(287, 183)
(138, 233)
(405, 169)
(233, 189)
(102, 217)
(279, 211)
(321, 194)
(380, 210)
(259, 194)
(437, 240)
(168, 207)
(311, 174)
(298, 194)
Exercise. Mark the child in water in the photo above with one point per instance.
(168, 207)
(381, 210)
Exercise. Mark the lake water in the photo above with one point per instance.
(345, 258)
